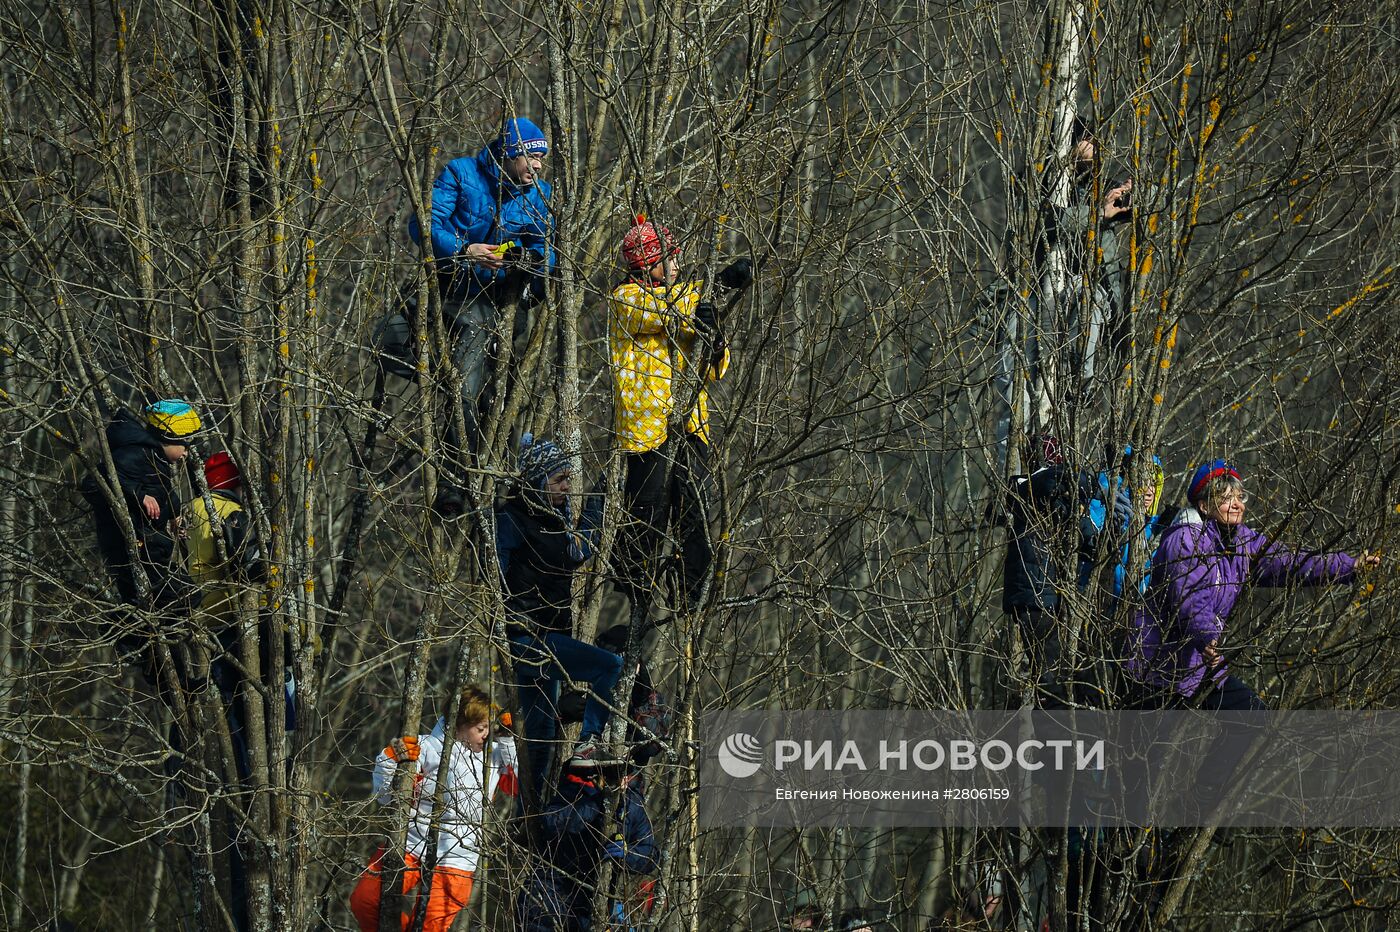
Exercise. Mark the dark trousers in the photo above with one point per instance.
(540, 665)
(472, 326)
(657, 504)
(1229, 748)
(1041, 637)
(553, 901)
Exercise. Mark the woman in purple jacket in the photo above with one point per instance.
(1205, 559)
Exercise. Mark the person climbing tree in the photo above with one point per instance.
(144, 453)
(1080, 262)
(540, 550)
(1052, 530)
(490, 239)
(1178, 656)
(472, 780)
(657, 329)
(224, 557)
(1147, 502)
(558, 894)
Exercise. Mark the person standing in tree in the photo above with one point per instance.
(225, 556)
(540, 550)
(1047, 509)
(558, 893)
(658, 328)
(1073, 305)
(1084, 234)
(490, 236)
(145, 452)
(472, 780)
(1177, 658)
(222, 561)
(1147, 502)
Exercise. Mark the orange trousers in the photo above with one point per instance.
(452, 888)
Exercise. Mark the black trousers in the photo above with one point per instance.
(472, 327)
(1229, 748)
(1042, 640)
(658, 506)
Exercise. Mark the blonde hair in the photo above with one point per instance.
(474, 708)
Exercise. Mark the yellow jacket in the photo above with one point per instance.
(219, 593)
(651, 334)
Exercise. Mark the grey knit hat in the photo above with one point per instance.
(539, 460)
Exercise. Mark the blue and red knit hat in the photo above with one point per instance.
(1203, 476)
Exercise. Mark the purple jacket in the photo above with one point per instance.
(1196, 580)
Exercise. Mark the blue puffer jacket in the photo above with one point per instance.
(1154, 525)
(474, 202)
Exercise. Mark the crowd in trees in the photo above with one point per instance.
(849, 357)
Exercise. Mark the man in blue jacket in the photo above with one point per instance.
(490, 237)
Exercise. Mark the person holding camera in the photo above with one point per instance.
(659, 328)
(490, 235)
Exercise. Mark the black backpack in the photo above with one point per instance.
(245, 557)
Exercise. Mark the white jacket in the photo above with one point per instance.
(468, 788)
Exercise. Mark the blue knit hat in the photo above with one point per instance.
(521, 137)
(540, 460)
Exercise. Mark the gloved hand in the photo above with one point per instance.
(614, 639)
(405, 748)
(571, 705)
(1122, 509)
(707, 316)
(717, 353)
(616, 850)
(503, 717)
(737, 274)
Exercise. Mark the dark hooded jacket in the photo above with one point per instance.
(539, 554)
(559, 892)
(142, 470)
(1049, 502)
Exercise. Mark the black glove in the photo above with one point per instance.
(737, 274)
(717, 353)
(706, 315)
(532, 291)
(571, 706)
(614, 639)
